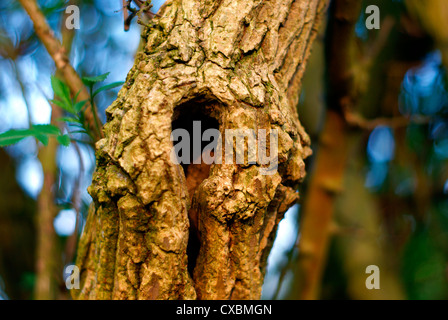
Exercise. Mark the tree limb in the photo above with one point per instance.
(59, 55)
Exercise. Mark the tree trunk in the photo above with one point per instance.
(233, 65)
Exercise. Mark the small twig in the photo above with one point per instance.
(94, 111)
(138, 3)
(143, 7)
(23, 91)
(285, 268)
(357, 120)
(125, 14)
(354, 119)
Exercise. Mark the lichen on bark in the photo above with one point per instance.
(239, 62)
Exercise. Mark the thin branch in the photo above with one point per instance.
(356, 120)
(285, 268)
(46, 249)
(72, 241)
(125, 14)
(23, 91)
(143, 7)
(60, 58)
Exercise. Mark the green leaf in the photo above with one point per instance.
(63, 105)
(90, 81)
(7, 141)
(41, 137)
(79, 131)
(79, 105)
(68, 120)
(61, 90)
(46, 129)
(40, 131)
(13, 136)
(64, 140)
(76, 95)
(108, 86)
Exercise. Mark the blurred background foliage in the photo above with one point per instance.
(392, 210)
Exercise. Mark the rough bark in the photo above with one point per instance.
(238, 64)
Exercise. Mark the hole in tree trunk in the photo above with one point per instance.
(194, 118)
